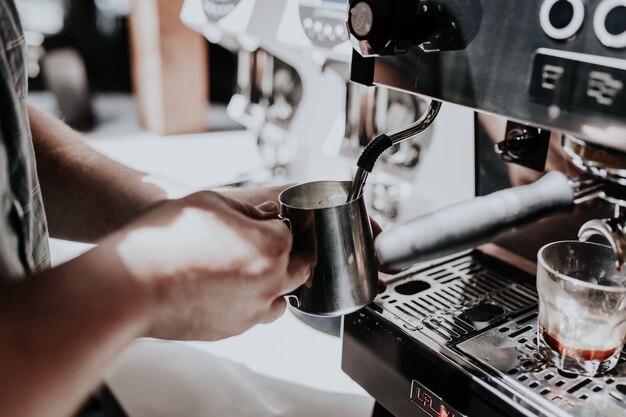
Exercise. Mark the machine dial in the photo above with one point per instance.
(391, 27)
(609, 23)
(562, 19)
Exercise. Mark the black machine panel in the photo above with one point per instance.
(554, 63)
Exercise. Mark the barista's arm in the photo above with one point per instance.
(87, 195)
(230, 265)
(58, 331)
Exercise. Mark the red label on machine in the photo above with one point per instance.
(430, 403)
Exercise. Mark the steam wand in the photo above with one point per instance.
(383, 142)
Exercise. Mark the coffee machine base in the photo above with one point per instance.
(458, 338)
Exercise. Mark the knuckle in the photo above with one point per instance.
(176, 205)
(280, 310)
(277, 244)
(276, 310)
(272, 290)
(193, 198)
(304, 272)
(199, 198)
(258, 317)
(264, 267)
(271, 265)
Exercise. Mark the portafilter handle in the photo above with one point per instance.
(473, 222)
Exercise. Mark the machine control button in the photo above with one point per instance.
(609, 23)
(562, 19)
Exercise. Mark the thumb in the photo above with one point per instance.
(268, 210)
(268, 207)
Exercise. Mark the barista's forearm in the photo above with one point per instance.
(60, 329)
(87, 195)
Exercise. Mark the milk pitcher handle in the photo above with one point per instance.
(285, 221)
(291, 298)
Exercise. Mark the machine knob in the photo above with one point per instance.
(609, 23)
(384, 27)
(562, 19)
(362, 19)
(525, 145)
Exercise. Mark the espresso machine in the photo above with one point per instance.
(455, 333)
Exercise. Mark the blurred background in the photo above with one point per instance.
(89, 42)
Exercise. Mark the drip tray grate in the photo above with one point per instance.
(510, 350)
(455, 299)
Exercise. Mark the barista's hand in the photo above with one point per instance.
(376, 230)
(212, 266)
(258, 195)
(254, 196)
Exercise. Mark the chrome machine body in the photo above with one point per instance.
(455, 336)
(282, 91)
(268, 90)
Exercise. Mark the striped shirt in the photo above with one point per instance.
(23, 231)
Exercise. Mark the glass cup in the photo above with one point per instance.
(582, 306)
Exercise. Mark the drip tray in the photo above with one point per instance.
(486, 316)
(455, 299)
(510, 351)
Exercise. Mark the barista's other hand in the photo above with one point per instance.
(212, 266)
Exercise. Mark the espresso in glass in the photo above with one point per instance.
(582, 307)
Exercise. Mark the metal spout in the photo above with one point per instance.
(612, 231)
